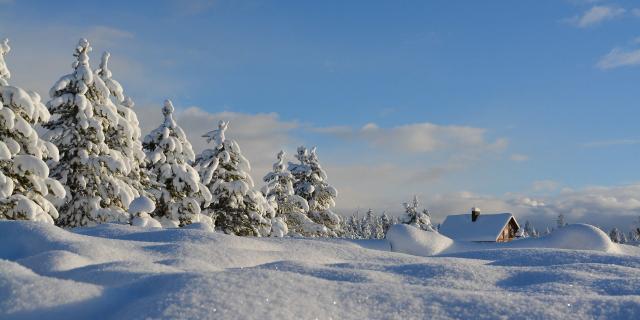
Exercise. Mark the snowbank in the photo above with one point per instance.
(411, 240)
(122, 272)
(573, 236)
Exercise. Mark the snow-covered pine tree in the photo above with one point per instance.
(290, 207)
(181, 194)
(311, 184)
(560, 221)
(237, 207)
(387, 222)
(530, 230)
(616, 235)
(93, 174)
(123, 134)
(24, 175)
(415, 217)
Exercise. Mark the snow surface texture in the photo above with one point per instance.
(122, 272)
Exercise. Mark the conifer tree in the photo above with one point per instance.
(530, 230)
(311, 184)
(237, 207)
(415, 217)
(93, 174)
(560, 221)
(616, 236)
(181, 194)
(123, 134)
(24, 175)
(290, 207)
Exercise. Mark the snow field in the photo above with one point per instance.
(117, 271)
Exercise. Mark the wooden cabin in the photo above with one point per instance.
(496, 227)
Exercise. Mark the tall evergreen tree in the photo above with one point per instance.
(92, 174)
(123, 134)
(169, 153)
(311, 184)
(290, 207)
(24, 175)
(237, 207)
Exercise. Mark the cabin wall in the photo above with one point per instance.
(508, 233)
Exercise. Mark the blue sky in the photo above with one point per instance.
(510, 100)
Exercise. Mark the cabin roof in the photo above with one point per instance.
(486, 228)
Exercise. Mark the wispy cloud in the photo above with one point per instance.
(596, 15)
(621, 56)
(608, 143)
(517, 157)
(635, 12)
(419, 137)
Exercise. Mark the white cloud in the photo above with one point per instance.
(603, 206)
(519, 157)
(635, 12)
(420, 137)
(608, 143)
(619, 57)
(545, 185)
(596, 15)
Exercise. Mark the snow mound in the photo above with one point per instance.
(574, 237)
(411, 240)
(141, 204)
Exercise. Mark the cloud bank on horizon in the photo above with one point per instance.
(440, 103)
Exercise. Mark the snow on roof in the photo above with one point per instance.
(486, 228)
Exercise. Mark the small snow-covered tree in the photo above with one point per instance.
(123, 133)
(530, 230)
(416, 217)
(560, 221)
(237, 207)
(616, 236)
(311, 184)
(91, 172)
(24, 175)
(290, 207)
(181, 195)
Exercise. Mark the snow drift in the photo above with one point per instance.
(123, 272)
(411, 240)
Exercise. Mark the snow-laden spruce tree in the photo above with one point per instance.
(617, 236)
(416, 217)
(311, 184)
(560, 221)
(530, 230)
(92, 173)
(237, 207)
(24, 175)
(123, 133)
(169, 154)
(290, 207)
